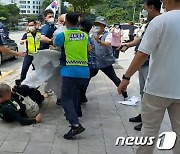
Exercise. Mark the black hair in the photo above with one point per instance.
(117, 24)
(32, 20)
(73, 18)
(156, 3)
(86, 25)
(49, 11)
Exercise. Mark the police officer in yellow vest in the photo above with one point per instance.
(32, 40)
(74, 70)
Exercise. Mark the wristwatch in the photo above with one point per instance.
(126, 78)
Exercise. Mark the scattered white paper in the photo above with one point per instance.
(131, 102)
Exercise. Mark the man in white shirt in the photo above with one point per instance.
(162, 89)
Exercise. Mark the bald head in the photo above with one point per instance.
(61, 19)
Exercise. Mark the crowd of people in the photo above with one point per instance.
(87, 48)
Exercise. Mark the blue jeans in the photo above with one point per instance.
(70, 98)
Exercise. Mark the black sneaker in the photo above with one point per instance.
(84, 101)
(74, 131)
(138, 127)
(136, 119)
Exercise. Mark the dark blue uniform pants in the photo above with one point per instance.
(26, 64)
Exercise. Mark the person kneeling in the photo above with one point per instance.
(12, 109)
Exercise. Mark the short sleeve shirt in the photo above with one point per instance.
(161, 42)
(48, 31)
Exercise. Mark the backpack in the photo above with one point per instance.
(32, 108)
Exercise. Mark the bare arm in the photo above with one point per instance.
(5, 50)
(46, 39)
(135, 42)
(105, 44)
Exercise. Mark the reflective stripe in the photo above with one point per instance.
(76, 48)
(76, 62)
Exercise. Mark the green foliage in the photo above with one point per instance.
(10, 13)
(32, 17)
(113, 10)
(45, 4)
(120, 10)
(83, 6)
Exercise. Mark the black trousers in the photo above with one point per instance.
(115, 52)
(26, 64)
(109, 71)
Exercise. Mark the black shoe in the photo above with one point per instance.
(136, 119)
(125, 95)
(84, 101)
(74, 131)
(138, 127)
(58, 102)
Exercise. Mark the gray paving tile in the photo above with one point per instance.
(113, 133)
(1, 152)
(119, 150)
(19, 136)
(91, 149)
(91, 140)
(61, 141)
(38, 148)
(64, 149)
(43, 136)
(29, 128)
(12, 146)
(3, 135)
(1, 142)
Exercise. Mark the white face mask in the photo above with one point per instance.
(51, 21)
(145, 13)
(60, 25)
(96, 29)
(31, 28)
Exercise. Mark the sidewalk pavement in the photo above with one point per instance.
(103, 117)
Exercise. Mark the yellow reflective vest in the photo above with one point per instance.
(33, 43)
(76, 48)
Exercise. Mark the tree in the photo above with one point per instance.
(45, 4)
(83, 6)
(121, 10)
(4, 13)
(14, 14)
(13, 9)
(10, 13)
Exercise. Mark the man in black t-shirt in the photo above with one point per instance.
(48, 30)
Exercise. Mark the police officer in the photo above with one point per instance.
(74, 70)
(5, 50)
(32, 40)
